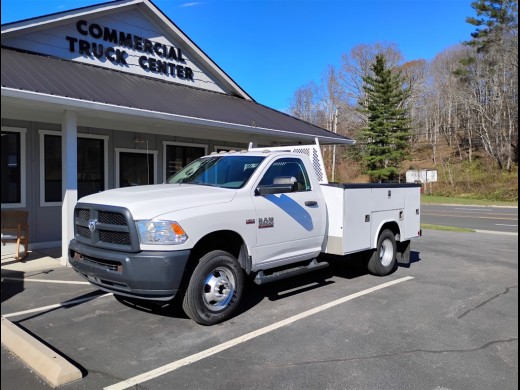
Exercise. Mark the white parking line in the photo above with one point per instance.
(242, 339)
(464, 209)
(497, 232)
(44, 281)
(57, 305)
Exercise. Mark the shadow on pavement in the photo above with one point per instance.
(12, 284)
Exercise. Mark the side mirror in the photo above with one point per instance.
(281, 185)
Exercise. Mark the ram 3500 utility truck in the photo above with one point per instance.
(264, 213)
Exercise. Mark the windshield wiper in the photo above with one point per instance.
(202, 183)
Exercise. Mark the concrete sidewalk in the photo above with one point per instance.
(36, 260)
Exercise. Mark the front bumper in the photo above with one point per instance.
(149, 275)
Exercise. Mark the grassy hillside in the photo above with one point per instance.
(478, 179)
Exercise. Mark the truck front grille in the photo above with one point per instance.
(83, 231)
(112, 218)
(106, 227)
(119, 238)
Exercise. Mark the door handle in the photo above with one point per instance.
(311, 203)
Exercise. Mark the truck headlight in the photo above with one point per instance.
(161, 233)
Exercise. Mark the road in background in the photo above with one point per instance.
(499, 219)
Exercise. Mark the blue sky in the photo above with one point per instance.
(272, 47)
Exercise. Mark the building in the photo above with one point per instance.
(112, 95)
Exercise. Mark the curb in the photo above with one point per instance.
(46, 362)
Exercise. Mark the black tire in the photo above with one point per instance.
(383, 259)
(214, 289)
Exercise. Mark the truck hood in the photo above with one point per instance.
(147, 202)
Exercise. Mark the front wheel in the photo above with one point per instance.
(383, 259)
(214, 289)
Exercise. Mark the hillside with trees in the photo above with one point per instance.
(457, 114)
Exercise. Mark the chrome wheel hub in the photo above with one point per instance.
(218, 289)
(386, 253)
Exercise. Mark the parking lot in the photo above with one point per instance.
(449, 320)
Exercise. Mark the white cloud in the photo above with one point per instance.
(192, 4)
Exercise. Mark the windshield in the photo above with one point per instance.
(220, 171)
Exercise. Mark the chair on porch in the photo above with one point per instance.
(16, 229)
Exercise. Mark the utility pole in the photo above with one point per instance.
(335, 130)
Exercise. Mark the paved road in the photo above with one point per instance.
(501, 219)
(450, 321)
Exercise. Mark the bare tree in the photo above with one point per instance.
(356, 65)
(491, 75)
(304, 103)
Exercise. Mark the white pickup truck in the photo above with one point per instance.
(261, 213)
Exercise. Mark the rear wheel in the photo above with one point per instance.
(215, 288)
(383, 259)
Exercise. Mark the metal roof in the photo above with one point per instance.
(55, 77)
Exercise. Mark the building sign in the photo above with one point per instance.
(421, 176)
(105, 43)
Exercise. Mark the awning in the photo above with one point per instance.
(27, 74)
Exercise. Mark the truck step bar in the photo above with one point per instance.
(261, 278)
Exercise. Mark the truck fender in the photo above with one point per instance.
(386, 224)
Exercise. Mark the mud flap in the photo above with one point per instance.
(403, 252)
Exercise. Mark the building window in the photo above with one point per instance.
(12, 167)
(135, 167)
(52, 168)
(92, 166)
(219, 149)
(178, 155)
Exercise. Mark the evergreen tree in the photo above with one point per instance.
(386, 138)
(495, 21)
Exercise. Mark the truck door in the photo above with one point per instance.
(291, 224)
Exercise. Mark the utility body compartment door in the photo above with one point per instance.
(291, 224)
(349, 219)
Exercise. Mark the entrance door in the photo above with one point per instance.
(135, 168)
(180, 155)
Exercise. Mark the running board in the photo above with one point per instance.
(261, 278)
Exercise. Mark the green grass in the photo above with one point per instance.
(431, 199)
(446, 228)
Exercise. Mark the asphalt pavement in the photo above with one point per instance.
(448, 320)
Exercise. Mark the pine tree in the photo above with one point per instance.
(496, 19)
(386, 138)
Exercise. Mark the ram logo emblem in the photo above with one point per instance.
(92, 224)
(265, 223)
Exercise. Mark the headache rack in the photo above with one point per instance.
(312, 151)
